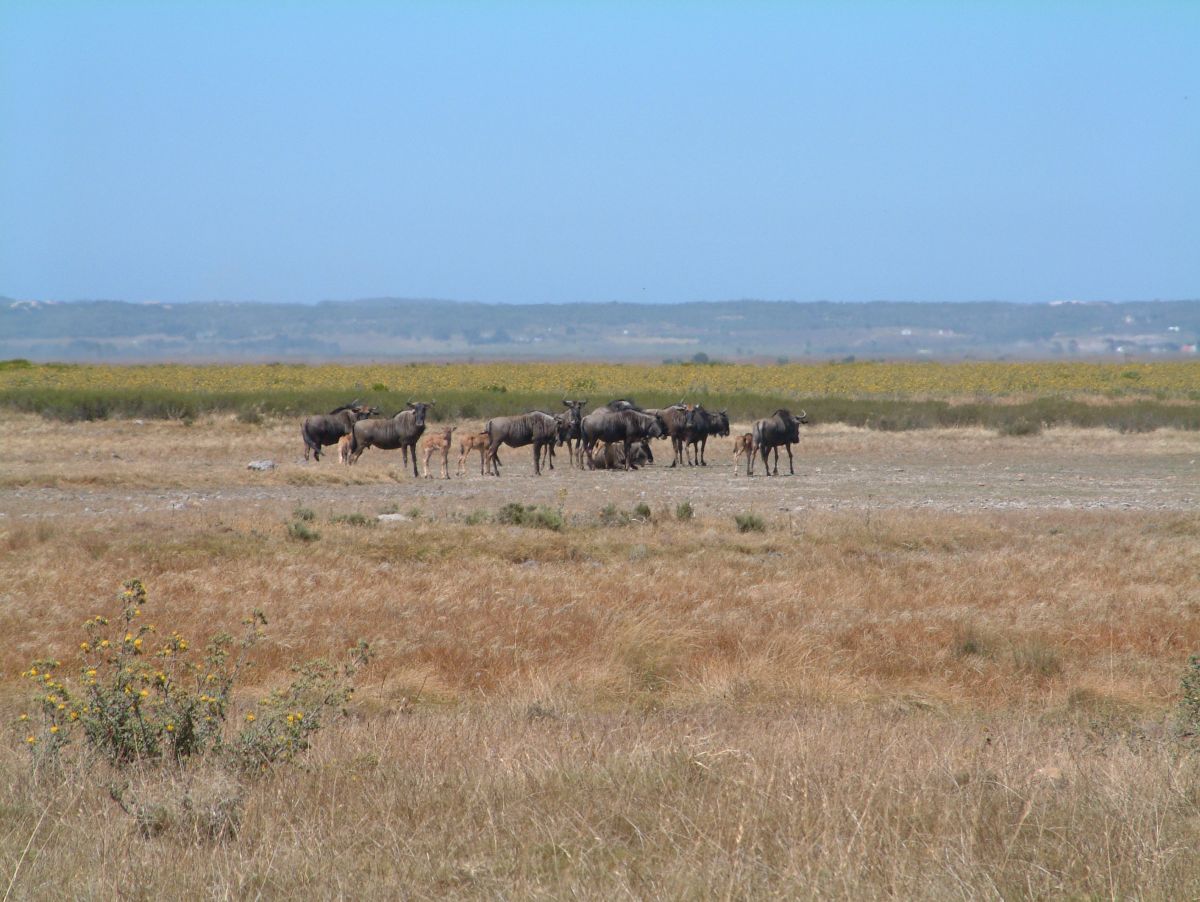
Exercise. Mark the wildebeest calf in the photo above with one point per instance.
(743, 444)
(438, 441)
(472, 441)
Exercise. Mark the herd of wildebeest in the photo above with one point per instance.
(615, 436)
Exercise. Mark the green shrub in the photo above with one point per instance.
(1188, 714)
(611, 515)
(354, 519)
(642, 511)
(684, 511)
(304, 513)
(301, 533)
(532, 516)
(749, 523)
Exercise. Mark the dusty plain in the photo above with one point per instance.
(948, 668)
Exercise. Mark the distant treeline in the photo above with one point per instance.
(74, 404)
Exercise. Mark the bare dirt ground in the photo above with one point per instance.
(50, 469)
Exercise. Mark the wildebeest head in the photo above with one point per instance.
(658, 428)
(362, 411)
(562, 427)
(802, 418)
(419, 409)
(574, 411)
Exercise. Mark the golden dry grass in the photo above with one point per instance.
(882, 701)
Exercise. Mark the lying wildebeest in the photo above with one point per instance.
(401, 431)
(743, 444)
(438, 441)
(700, 425)
(320, 430)
(611, 455)
(534, 428)
(473, 441)
(572, 437)
(781, 428)
(625, 427)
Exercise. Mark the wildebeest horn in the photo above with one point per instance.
(804, 414)
(432, 403)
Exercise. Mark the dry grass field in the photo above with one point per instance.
(948, 667)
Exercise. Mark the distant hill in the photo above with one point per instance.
(396, 329)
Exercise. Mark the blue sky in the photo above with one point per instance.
(533, 152)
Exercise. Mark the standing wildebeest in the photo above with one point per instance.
(700, 425)
(625, 426)
(401, 431)
(781, 428)
(675, 419)
(572, 437)
(534, 428)
(320, 430)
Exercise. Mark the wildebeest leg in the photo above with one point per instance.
(703, 443)
(775, 470)
(537, 459)
(428, 454)
(414, 452)
(789, 451)
(628, 453)
(766, 458)
(675, 443)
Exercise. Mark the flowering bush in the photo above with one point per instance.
(143, 695)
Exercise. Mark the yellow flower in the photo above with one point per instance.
(129, 637)
(104, 643)
(83, 646)
(183, 645)
(144, 693)
(54, 729)
(91, 671)
(31, 739)
(291, 718)
(170, 728)
(137, 643)
(74, 715)
(24, 717)
(33, 671)
(249, 718)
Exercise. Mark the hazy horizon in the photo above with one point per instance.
(524, 152)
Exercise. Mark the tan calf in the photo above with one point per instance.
(344, 448)
(743, 444)
(438, 441)
(474, 441)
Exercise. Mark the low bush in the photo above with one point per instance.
(684, 511)
(532, 516)
(749, 523)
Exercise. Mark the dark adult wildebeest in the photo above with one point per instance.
(675, 419)
(781, 428)
(573, 438)
(534, 428)
(401, 431)
(700, 425)
(320, 430)
(624, 426)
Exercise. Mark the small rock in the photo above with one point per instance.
(261, 465)
(393, 518)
